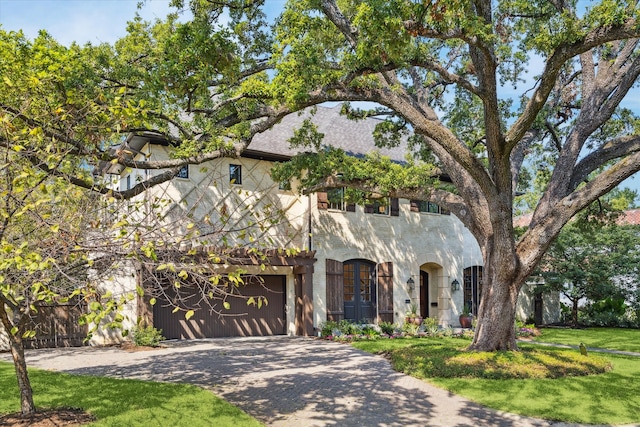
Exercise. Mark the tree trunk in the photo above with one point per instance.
(19, 363)
(574, 313)
(495, 328)
(26, 393)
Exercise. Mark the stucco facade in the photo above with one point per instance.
(271, 217)
(413, 254)
(412, 241)
(422, 251)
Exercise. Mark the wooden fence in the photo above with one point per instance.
(57, 326)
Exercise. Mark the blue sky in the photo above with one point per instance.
(99, 21)
(83, 21)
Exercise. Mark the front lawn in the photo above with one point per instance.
(609, 338)
(116, 402)
(492, 379)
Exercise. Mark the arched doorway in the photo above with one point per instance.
(359, 280)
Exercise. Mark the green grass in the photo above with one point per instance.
(116, 402)
(446, 358)
(607, 398)
(609, 338)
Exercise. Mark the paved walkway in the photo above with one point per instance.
(284, 381)
(594, 349)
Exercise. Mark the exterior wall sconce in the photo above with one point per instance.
(455, 285)
(411, 284)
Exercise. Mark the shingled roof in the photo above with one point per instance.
(354, 137)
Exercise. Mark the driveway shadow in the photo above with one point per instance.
(286, 381)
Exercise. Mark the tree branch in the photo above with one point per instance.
(331, 10)
(613, 149)
(447, 76)
(553, 67)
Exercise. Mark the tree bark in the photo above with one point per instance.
(27, 406)
(495, 329)
(501, 282)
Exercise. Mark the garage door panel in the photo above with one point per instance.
(240, 320)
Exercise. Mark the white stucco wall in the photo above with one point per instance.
(256, 212)
(525, 309)
(440, 244)
(121, 283)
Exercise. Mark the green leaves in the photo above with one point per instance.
(379, 172)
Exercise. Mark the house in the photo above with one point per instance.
(546, 307)
(360, 263)
(629, 217)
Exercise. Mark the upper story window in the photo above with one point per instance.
(335, 198)
(388, 206)
(235, 174)
(284, 186)
(381, 207)
(427, 207)
(184, 172)
(128, 184)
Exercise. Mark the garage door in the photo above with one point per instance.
(241, 320)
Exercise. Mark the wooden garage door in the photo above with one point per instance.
(241, 320)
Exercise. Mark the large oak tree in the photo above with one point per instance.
(447, 69)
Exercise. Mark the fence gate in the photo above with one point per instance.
(57, 326)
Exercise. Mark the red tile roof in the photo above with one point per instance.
(522, 220)
(630, 217)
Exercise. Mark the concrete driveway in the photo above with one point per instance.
(285, 381)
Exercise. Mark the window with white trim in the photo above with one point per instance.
(335, 197)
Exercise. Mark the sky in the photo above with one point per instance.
(98, 21)
(83, 21)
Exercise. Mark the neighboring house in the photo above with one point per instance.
(360, 263)
(545, 308)
(629, 217)
(533, 305)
